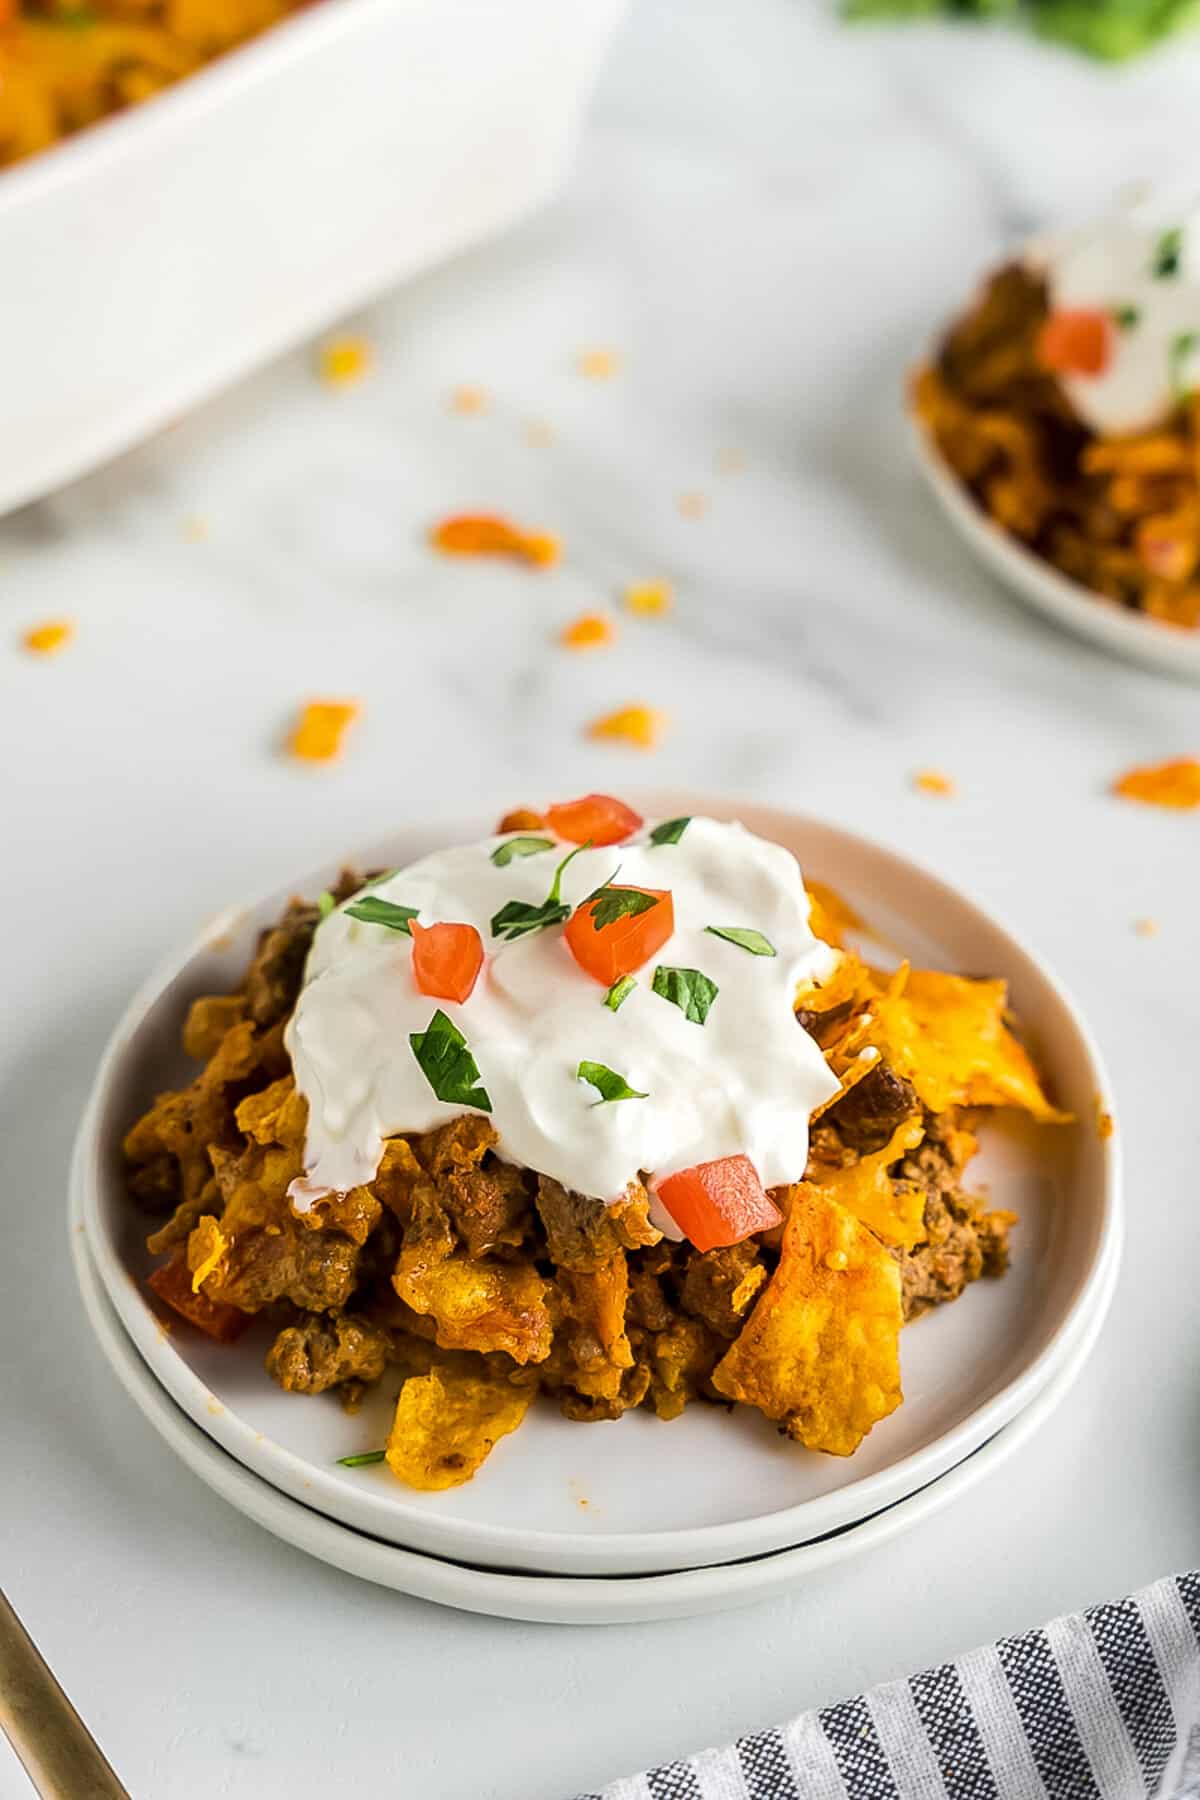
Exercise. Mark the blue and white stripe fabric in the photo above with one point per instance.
(1102, 1705)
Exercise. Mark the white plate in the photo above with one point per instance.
(552, 1599)
(637, 1496)
(1169, 648)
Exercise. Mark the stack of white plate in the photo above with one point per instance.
(633, 1519)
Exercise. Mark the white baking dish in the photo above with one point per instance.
(160, 254)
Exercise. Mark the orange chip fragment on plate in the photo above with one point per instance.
(321, 728)
(932, 781)
(343, 360)
(598, 365)
(641, 726)
(448, 1422)
(1175, 783)
(46, 639)
(648, 598)
(487, 534)
(590, 631)
(820, 1353)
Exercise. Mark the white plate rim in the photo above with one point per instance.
(1169, 649)
(614, 1553)
(547, 1599)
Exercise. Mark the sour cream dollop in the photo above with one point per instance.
(742, 1083)
(1139, 264)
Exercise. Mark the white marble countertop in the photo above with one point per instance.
(767, 216)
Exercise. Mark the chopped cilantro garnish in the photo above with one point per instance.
(517, 917)
(670, 831)
(688, 989)
(503, 854)
(613, 903)
(619, 991)
(608, 1084)
(447, 1064)
(1168, 253)
(1126, 316)
(745, 938)
(362, 1460)
(373, 911)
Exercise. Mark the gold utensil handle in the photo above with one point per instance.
(59, 1754)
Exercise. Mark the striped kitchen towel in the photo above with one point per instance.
(1101, 1705)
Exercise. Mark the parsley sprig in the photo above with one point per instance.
(447, 1063)
(670, 831)
(619, 992)
(609, 903)
(516, 918)
(688, 989)
(374, 911)
(1168, 254)
(745, 938)
(504, 853)
(608, 1084)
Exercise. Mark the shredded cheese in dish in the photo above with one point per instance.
(711, 1067)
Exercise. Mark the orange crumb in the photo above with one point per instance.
(641, 726)
(598, 365)
(522, 818)
(485, 534)
(1104, 1120)
(730, 461)
(195, 529)
(932, 781)
(469, 400)
(590, 631)
(51, 636)
(1174, 783)
(1146, 927)
(539, 434)
(693, 506)
(343, 360)
(320, 729)
(648, 597)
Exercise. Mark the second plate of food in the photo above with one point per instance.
(798, 1321)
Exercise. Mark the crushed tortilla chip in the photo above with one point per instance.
(932, 781)
(469, 400)
(47, 639)
(343, 360)
(320, 729)
(648, 598)
(829, 915)
(893, 1210)
(598, 365)
(486, 534)
(820, 1353)
(206, 1251)
(641, 726)
(448, 1422)
(693, 506)
(946, 1034)
(590, 631)
(1175, 783)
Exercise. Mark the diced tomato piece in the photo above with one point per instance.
(172, 1282)
(618, 949)
(597, 818)
(718, 1203)
(446, 959)
(1076, 341)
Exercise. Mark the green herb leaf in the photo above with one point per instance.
(689, 990)
(1126, 316)
(607, 1083)
(516, 918)
(613, 903)
(619, 991)
(373, 911)
(362, 1460)
(325, 904)
(745, 938)
(447, 1064)
(503, 854)
(1168, 254)
(670, 831)
(1183, 344)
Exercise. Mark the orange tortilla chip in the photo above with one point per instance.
(447, 1423)
(894, 1211)
(820, 1353)
(320, 729)
(947, 1035)
(641, 726)
(486, 534)
(1175, 783)
(590, 631)
(830, 916)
